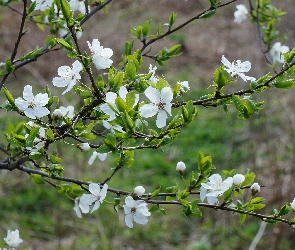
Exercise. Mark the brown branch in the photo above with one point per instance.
(146, 44)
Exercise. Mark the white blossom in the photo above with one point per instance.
(160, 104)
(43, 4)
(68, 76)
(111, 102)
(238, 179)
(241, 13)
(255, 188)
(78, 5)
(135, 210)
(277, 52)
(139, 190)
(237, 68)
(214, 188)
(292, 204)
(100, 56)
(101, 156)
(84, 146)
(97, 196)
(184, 86)
(33, 107)
(153, 78)
(12, 239)
(67, 111)
(180, 167)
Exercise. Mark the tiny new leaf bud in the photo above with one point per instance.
(180, 167)
(255, 188)
(57, 114)
(238, 179)
(139, 190)
(84, 146)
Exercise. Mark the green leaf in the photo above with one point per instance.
(49, 134)
(249, 178)
(130, 70)
(64, 44)
(182, 194)
(38, 179)
(242, 218)
(284, 84)
(121, 104)
(238, 103)
(146, 28)
(172, 19)
(66, 10)
(284, 210)
(155, 193)
(154, 208)
(31, 7)
(8, 96)
(83, 92)
(208, 14)
(128, 48)
(50, 41)
(204, 164)
(110, 141)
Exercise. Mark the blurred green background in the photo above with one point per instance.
(264, 143)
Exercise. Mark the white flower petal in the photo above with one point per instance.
(21, 104)
(94, 189)
(128, 220)
(148, 110)
(161, 119)
(153, 94)
(140, 219)
(92, 158)
(28, 93)
(166, 95)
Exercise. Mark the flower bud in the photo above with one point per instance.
(238, 179)
(57, 114)
(84, 146)
(255, 188)
(180, 167)
(293, 204)
(139, 190)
